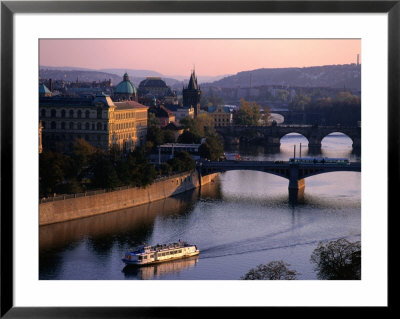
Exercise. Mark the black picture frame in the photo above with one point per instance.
(9, 8)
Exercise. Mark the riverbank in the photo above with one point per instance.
(74, 208)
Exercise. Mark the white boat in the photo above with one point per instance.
(146, 255)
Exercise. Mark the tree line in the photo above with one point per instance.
(343, 108)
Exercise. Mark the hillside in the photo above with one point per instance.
(334, 76)
(90, 76)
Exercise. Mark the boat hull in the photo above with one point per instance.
(136, 263)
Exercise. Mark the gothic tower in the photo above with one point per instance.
(191, 95)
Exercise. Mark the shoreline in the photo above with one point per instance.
(52, 212)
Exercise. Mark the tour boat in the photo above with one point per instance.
(146, 255)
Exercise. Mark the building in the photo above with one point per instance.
(222, 115)
(191, 95)
(154, 87)
(163, 115)
(180, 112)
(168, 151)
(125, 90)
(98, 120)
(40, 137)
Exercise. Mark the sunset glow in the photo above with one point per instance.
(210, 57)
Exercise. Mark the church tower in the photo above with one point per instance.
(191, 94)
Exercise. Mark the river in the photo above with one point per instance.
(241, 220)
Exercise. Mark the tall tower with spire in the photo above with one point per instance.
(191, 94)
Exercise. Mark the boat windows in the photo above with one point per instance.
(151, 256)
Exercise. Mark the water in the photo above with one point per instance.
(241, 220)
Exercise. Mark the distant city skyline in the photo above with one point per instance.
(209, 57)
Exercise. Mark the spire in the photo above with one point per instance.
(192, 82)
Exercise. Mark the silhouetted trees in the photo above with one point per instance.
(344, 108)
(338, 260)
(275, 270)
(334, 260)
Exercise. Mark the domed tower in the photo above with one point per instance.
(191, 94)
(125, 90)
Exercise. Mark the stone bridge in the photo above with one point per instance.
(294, 172)
(271, 135)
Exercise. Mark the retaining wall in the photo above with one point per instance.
(73, 208)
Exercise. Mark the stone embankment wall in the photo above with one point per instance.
(73, 208)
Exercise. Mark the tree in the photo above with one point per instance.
(54, 169)
(275, 270)
(212, 149)
(82, 154)
(338, 260)
(182, 162)
(104, 173)
(189, 137)
(248, 113)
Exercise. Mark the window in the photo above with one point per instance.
(79, 114)
(87, 114)
(79, 125)
(53, 125)
(53, 113)
(87, 126)
(63, 125)
(43, 112)
(99, 126)
(71, 113)
(63, 113)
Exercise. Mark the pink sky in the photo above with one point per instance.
(209, 56)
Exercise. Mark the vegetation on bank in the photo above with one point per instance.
(249, 113)
(335, 260)
(89, 168)
(343, 108)
(202, 127)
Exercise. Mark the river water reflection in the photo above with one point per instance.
(241, 220)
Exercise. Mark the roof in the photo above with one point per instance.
(153, 82)
(65, 101)
(161, 111)
(129, 105)
(43, 89)
(212, 109)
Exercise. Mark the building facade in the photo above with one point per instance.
(221, 115)
(100, 121)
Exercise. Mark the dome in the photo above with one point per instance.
(125, 87)
(152, 82)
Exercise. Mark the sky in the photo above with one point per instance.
(209, 57)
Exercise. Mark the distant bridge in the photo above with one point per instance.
(271, 135)
(294, 172)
